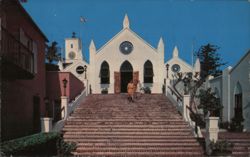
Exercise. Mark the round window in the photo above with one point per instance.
(176, 68)
(126, 47)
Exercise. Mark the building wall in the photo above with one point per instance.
(241, 74)
(228, 82)
(17, 114)
(55, 87)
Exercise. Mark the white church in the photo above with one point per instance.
(123, 58)
(128, 57)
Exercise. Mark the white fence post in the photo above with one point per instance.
(166, 87)
(185, 110)
(212, 130)
(46, 124)
(64, 106)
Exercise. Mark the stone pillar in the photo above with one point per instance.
(167, 84)
(46, 124)
(185, 110)
(86, 85)
(64, 104)
(212, 130)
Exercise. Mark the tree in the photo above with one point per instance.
(210, 65)
(209, 102)
(52, 53)
(210, 61)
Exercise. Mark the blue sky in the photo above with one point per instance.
(184, 23)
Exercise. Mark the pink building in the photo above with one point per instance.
(22, 51)
(55, 89)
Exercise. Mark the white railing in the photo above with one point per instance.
(182, 105)
(176, 99)
(76, 102)
(67, 109)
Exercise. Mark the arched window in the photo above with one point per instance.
(148, 72)
(104, 73)
(126, 67)
(238, 95)
(238, 101)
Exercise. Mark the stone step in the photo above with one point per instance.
(141, 154)
(141, 140)
(123, 117)
(130, 144)
(107, 125)
(138, 149)
(239, 140)
(115, 137)
(126, 122)
(241, 154)
(109, 117)
(126, 129)
(180, 126)
(138, 133)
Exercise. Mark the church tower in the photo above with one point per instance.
(73, 49)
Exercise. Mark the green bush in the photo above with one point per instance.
(147, 90)
(65, 148)
(221, 147)
(46, 144)
(30, 144)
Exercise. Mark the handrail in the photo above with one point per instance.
(71, 107)
(182, 106)
(179, 97)
(76, 102)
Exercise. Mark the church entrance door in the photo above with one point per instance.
(126, 75)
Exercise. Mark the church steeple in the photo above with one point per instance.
(175, 52)
(160, 47)
(92, 47)
(126, 22)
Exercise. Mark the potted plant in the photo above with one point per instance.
(105, 91)
(147, 90)
(221, 148)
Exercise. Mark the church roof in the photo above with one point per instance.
(126, 28)
(240, 61)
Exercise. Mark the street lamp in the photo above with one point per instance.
(85, 70)
(185, 80)
(65, 81)
(167, 68)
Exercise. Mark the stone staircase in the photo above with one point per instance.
(240, 140)
(108, 125)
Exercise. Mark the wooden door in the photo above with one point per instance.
(117, 82)
(135, 76)
(36, 114)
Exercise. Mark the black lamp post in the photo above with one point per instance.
(186, 81)
(85, 70)
(65, 81)
(167, 68)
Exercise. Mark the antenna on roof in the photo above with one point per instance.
(192, 52)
